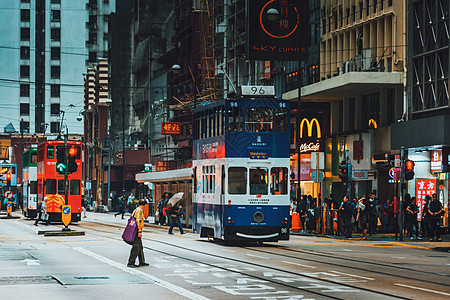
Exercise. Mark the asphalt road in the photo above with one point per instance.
(93, 266)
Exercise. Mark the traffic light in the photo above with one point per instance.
(409, 169)
(8, 179)
(61, 163)
(343, 171)
(72, 167)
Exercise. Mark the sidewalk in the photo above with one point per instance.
(444, 245)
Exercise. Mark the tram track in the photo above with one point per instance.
(357, 261)
(247, 263)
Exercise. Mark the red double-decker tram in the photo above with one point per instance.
(51, 166)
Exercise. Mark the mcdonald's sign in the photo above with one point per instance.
(309, 126)
(373, 123)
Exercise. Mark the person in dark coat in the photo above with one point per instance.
(346, 210)
(411, 218)
(425, 225)
(174, 214)
(435, 210)
(362, 217)
(161, 205)
(121, 207)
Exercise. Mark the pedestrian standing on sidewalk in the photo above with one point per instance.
(425, 224)
(388, 214)
(346, 210)
(435, 210)
(161, 205)
(137, 251)
(411, 218)
(372, 213)
(362, 217)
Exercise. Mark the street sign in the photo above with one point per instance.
(321, 160)
(314, 176)
(397, 160)
(8, 194)
(66, 214)
(9, 207)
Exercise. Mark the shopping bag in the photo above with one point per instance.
(130, 232)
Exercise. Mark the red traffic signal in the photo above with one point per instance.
(8, 176)
(72, 151)
(409, 165)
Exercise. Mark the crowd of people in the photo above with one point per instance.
(368, 216)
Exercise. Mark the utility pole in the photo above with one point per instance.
(66, 175)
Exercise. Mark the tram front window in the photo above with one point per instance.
(258, 181)
(258, 119)
(279, 181)
(50, 186)
(237, 180)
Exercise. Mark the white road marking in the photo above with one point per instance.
(351, 275)
(167, 285)
(422, 289)
(227, 250)
(31, 262)
(297, 264)
(257, 256)
(400, 257)
(347, 250)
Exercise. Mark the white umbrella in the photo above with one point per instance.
(175, 199)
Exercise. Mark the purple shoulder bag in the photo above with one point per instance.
(130, 232)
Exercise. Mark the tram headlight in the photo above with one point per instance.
(258, 217)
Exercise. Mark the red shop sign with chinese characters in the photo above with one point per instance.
(424, 187)
(170, 128)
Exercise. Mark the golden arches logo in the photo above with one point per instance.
(309, 125)
(373, 123)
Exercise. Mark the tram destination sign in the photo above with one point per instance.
(257, 90)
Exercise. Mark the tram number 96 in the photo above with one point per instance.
(282, 105)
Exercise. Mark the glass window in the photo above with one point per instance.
(54, 109)
(33, 187)
(25, 15)
(279, 181)
(24, 90)
(56, 34)
(55, 53)
(258, 181)
(258, 119)
(55, 15)
(50, 186)
(235, 119)
(24, 109)
(50, 152)
(237, 180)
(55, 92)
(24, 34)
(33, 158)
(24, 71)
(75, 187)
(209, 179)
(281, 120)
(61, 190)
(55, 72)
(24, 52)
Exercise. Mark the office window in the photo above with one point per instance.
(24, 90)
(367, 7)
(26, 126)
(24, 71)
(24, 109)
(24, 34)
(353, 13)
(54, 91)
(56, 34)
(389, 2)
(55, 53)
(54, 109)
(54, 127)
(360, 10)
(375, 6)
(25, 1)
(24, 52)
(55, 1)
(55, 15)
(55, 72)
(93, 38)
(92, 56)
(25, 15)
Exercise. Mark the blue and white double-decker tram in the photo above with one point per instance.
(241, 170)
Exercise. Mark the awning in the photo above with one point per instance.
(165, 176)
(347, 85)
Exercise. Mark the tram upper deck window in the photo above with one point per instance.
(237, 180)
(278, 181)
(50, 152)
(50, 186)
(235, 119)
(281, 120)
(258, 119)
(258, 181)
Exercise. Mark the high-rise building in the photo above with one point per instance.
(45, 50)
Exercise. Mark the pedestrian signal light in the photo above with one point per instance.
(409, 169)
(72, 167)
(8, 176)
(343, 171)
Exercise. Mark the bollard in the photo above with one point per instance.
(296, 224)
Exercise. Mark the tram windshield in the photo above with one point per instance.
(237, 180)
(279, 181)
(258, 119)
(258, 183)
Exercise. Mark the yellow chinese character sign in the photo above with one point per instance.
(170, 128)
